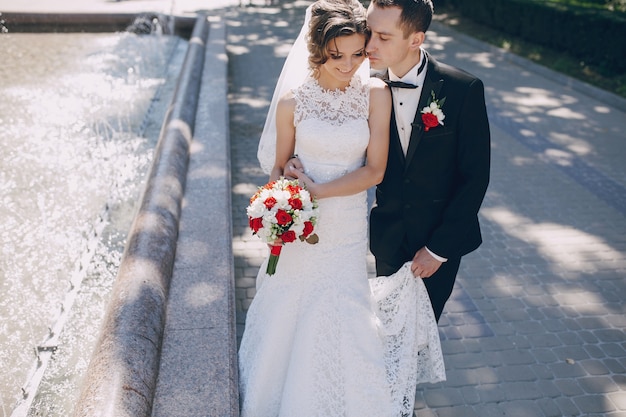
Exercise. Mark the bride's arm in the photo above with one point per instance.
(374, 169)
(285, 135)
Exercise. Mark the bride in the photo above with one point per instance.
(320, 338)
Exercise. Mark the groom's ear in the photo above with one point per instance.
(416, 40)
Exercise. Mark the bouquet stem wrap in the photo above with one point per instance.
(273, 261)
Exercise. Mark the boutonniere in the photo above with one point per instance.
(432, 116)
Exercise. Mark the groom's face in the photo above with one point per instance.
(388, 47)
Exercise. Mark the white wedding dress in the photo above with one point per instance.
(321, 340)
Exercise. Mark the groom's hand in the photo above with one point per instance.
(424, 264)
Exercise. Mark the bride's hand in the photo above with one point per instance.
(292, 167)
(306, 182)
(277, 242)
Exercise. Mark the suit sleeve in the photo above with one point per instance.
(460, 217)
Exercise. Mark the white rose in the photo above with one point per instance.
(265, 194)
(298, 228)
(269, 218)
(282, 199)
(256, 209)
(265, 233)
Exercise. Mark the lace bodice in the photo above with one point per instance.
(332, 131)
(335, 107)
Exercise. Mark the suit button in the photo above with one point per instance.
(407, 206)
(406, 181)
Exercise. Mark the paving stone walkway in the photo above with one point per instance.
(536, 325)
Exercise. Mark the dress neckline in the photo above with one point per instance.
(337, 91)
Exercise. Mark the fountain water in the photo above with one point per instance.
(3, 29)
(81, 114)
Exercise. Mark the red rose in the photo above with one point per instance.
(270, 202)
(430, 120)
(282, 217)
(256, 224)
(288, 236)
(308, 228)
(294, 189)
(295, 203)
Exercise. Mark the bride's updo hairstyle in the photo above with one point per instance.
(331, 19)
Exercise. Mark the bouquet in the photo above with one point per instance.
(282, 211)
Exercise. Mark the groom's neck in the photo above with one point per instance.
(411, 60)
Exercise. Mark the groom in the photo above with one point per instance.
(438, 166)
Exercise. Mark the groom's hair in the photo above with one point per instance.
(416, 14)
(331, 19)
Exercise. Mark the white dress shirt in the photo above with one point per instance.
(405, 100)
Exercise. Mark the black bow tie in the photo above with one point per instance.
(399, 84)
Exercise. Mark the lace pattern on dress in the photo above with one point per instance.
(332, 131)
(407, 324)
(335, 107)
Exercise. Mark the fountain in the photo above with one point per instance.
(81, 115)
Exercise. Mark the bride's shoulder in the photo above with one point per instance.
(287, 101)
(378, 87)
(289, 95)
(376, 83)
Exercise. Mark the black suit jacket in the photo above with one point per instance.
(432, 196)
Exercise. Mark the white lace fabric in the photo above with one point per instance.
(321, 340)
(333, 106)
(332, 132)
(409, 331)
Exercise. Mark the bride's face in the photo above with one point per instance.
(345, 56)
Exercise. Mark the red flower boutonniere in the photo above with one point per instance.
(432, 116)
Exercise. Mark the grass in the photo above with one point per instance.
(555, 60)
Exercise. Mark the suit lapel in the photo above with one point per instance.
(432, 83)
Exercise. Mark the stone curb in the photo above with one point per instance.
(121, 378)
(18, 22)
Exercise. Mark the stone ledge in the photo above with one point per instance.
(198, 370)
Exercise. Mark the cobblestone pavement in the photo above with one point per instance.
(536, 324)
